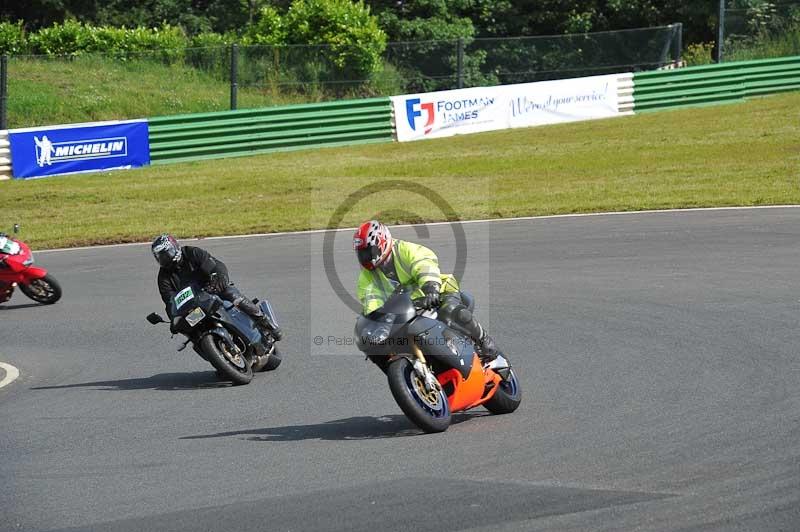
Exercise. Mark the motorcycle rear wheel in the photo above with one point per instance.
(45, 290)
(214, 347)
(273, 361)
(429, 411)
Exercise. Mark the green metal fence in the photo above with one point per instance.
(711, 84)
(238, 133)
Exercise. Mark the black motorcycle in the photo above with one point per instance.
(433, 367)
(222, 334)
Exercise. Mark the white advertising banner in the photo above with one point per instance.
(457, 112)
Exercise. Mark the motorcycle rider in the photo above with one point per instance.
(7, 247)
(385, 260)
(182, 264)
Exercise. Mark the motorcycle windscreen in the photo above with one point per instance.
(8, 246)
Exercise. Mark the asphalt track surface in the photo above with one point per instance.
(657, 353)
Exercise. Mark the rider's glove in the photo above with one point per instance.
(432, 297)
(216, 284)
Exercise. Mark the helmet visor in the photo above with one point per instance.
(367, 256)
(166, 257)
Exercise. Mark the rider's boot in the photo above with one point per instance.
(487, 351)
(261, 319)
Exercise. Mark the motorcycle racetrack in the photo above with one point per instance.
(657, 354)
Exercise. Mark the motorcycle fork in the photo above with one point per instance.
(422, 369)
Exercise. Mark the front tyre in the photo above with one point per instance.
(507, 397)
(45, 290)
(227, 363)
(427, 410)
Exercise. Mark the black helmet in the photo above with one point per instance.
(167, 251)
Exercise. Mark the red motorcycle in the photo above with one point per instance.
(17, 269)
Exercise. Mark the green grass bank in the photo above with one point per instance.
(730, 155)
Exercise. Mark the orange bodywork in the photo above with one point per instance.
(468, 393)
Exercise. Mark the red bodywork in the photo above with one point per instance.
(479, 386)
(14, 271)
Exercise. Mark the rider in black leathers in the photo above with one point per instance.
(183, 264)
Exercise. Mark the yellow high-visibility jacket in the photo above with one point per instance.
(415, 265)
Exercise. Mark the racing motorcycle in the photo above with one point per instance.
(433, 368)
(222, 334)
(17, 270)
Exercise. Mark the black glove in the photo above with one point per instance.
(216, 284)
(432, 297)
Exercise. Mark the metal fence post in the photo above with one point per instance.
(460, 62)
(720, 30)
(4, 92)
(234, 74)
(678, 42)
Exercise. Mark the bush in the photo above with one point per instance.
(354, 40)
(12, 38)
(73, 38)
(69, 38)
(270, 28)
(212, 40)
(698, 54)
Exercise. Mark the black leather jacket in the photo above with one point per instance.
(196, 266)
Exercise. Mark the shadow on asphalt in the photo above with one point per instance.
(21, 305)
(351, 428)
(160, 381)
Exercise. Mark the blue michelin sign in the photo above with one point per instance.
(67, 149)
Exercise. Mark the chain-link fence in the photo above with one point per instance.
(759, 29)
(47, 90)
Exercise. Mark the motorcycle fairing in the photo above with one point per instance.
(445, 347)
(465, 392)
(240, 321)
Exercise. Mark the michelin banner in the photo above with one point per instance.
(456, 112)
(73, 148)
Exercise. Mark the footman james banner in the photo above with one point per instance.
(73, 148)
(456, 112)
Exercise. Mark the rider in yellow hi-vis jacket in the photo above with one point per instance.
(387, 262)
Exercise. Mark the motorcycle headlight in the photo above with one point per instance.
(195, 317)
(381, 330)
(28, 261)
(380, 334)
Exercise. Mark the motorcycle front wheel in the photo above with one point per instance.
(228, 364)
(428, 410)
(45, 290)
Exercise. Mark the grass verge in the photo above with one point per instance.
(743, 154)
(87, 88)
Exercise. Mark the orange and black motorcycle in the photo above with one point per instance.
(433, 368)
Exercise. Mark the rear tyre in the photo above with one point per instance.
(228, 365)
(507, 397)
(273, 361)
(427, 410)
(45, 290)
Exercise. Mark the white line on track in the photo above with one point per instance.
(11, 374)
(485, 221)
